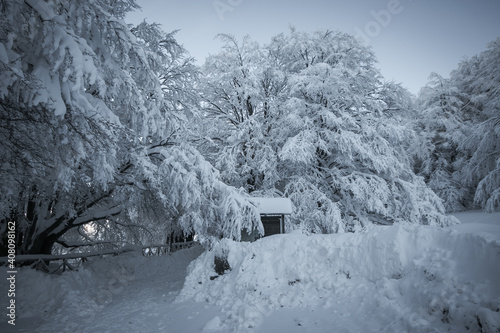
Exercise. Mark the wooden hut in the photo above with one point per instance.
(272, 214)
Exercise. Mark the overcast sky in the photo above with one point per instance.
(411, 38)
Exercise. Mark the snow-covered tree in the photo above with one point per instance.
(441, 127)
(479, 78)
(328, 130)
(240, 90)
(458, 150)
(345, 147)
(92, 128)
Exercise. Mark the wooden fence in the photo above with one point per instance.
(158, 250)
(71, 261)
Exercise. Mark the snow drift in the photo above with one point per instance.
(401, 278)
(397, 278)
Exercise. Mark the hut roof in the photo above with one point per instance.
(273, 205)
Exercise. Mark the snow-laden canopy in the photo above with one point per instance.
(93, 116)
(309, 117)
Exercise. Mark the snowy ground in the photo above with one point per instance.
(388, 279)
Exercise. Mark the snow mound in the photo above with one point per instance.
(397, 278)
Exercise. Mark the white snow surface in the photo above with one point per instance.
(273, 205)
(386, 279)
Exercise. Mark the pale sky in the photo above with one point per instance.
(410, 38)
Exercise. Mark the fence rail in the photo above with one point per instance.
(71, 261)
(158, 250)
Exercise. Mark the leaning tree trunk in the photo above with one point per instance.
(39, 228)
(38, 244)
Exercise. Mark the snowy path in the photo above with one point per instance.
(150, 309)
(125, 301)
(145, 302)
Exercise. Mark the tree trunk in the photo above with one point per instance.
(40, 244)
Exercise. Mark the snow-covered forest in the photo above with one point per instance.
(112, 136)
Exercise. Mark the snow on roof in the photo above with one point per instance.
(273, 205)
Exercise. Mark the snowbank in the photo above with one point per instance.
(397, 278)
